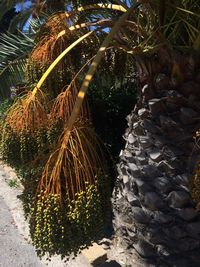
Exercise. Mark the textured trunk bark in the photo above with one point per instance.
(154, 215)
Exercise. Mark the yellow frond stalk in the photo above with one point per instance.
(96, 6)
(93, 67)
(55, 33)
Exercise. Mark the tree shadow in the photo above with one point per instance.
(110, 264)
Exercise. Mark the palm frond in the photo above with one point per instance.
(100, 54)
(78, 163)
(65, 154)
(14, 50)
(13, 46)
(24, 114)
(12, 75)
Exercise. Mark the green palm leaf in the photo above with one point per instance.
(11, 75)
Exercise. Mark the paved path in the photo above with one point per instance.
(14, 249)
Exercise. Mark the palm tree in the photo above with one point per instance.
(154, 214)
(155, 219)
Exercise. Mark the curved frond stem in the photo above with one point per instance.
(57, 60)
(96, 6)
(93, 67)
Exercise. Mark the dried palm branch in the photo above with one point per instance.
(28, 112)
(65, 101)
(56, 27)
(59, 161)
(77, 163)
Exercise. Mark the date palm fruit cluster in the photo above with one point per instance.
(72, 207)
(65, 226)
(26, 145)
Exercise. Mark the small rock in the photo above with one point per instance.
(122, 169)
(145, 88)
(132, 199)
(142, 160)
(125, 179)
(105, 246)
(163, 251)
(141, 157)
(95, 255)
(126, 153)
(131, 231)
(127, 218)
(105, 243)
(131, 139)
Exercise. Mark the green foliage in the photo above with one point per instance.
(27, 145)
(14, 49)
(106, 99)
(4, 106)
(13, 183)
(29, 175)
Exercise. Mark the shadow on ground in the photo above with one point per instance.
(110, 264)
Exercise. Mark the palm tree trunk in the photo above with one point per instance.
(154, 214)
